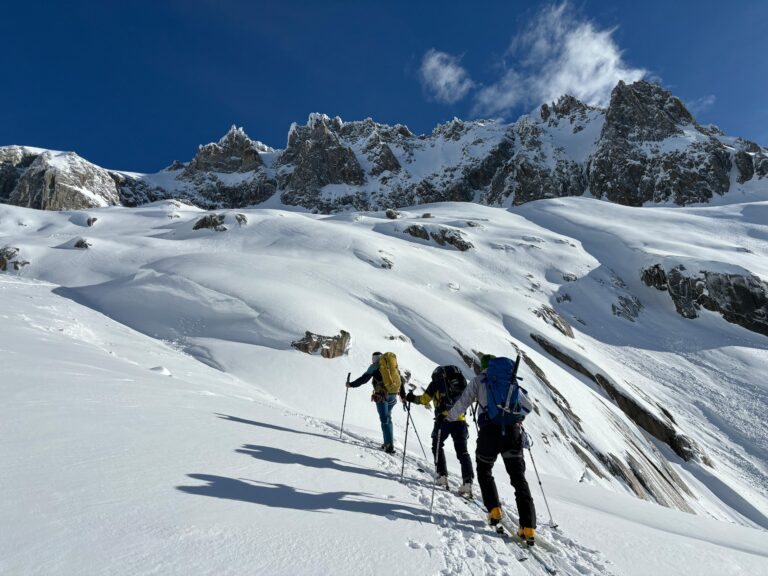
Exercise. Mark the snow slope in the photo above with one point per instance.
(156, 419)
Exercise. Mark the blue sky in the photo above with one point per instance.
(136, 84)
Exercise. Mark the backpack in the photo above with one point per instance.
(450, 383)
(390, 375)
(507, 402)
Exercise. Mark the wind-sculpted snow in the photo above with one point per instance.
(137, 343)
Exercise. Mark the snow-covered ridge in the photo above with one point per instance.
(644, 149)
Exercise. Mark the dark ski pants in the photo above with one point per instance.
(384, 408)
(459, 431)
(490, 443)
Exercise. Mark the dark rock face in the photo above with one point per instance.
(744, 165)
(211, 222)
(235, 152)
(63, 181)
(317, 157)
(326, 346)
(229, 174)
(441, 235)
(740, 299)
(635, 162)
(14, 160)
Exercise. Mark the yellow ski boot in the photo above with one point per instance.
(527, 535)
(494, 516)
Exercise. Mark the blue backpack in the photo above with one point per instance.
(507, 402)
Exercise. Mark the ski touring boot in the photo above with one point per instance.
(442, 482)
(527, 535)
(494, 518)
(389, 448)
(465, 490)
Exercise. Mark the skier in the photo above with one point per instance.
(387, 385)
(444, 389)
(500, 433)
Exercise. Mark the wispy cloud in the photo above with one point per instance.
(700, 105)
(443, 77)
(558, 53)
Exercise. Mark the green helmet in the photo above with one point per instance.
(485, 359)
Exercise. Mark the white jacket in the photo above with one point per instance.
(476, 391)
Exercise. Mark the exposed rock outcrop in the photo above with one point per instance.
(9, 258)
(548, 314)
(652, 423)
(740, 298)
(314, 158)
(326, 346)
(211, 222)
(235, 152)
(440, 234)
(63, 181)
(14, 161)
(652, 150)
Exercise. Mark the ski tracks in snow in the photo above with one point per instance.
(466, 545)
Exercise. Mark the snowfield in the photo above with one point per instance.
(155, 418)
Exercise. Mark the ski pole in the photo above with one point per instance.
(530, 443)
(434, 484)
(405, 442)
(474, 417)
(343, 414)
(416, 431)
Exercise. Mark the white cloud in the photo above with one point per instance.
(700, 105)
(443, 77)
(559, 53)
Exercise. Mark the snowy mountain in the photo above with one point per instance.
(645, 148)
(173, 384)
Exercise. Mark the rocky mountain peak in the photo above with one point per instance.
(646, 147)
(642, 111)
(235, 152)
(566, 106)
(63, 181)
(452, 130)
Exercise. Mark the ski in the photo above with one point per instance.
(519, 546)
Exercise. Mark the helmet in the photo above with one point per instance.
(486, 358)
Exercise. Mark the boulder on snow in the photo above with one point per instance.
(326, 346)
(9, 256)
(81, 244)
(212, 222)
(440, 234)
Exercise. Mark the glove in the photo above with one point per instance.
(410, 397)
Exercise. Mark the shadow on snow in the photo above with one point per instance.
(282, 496)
